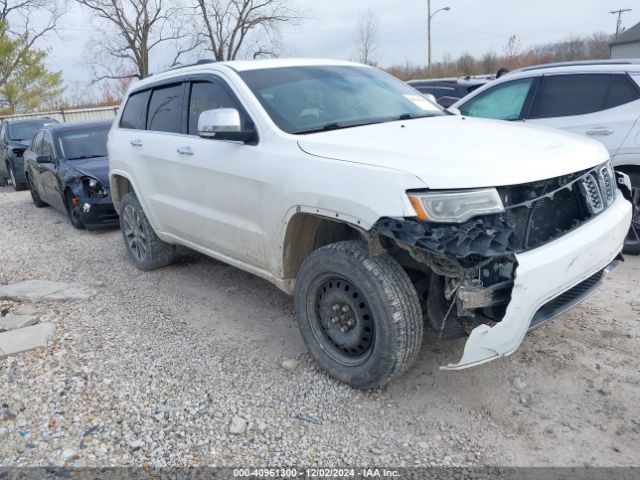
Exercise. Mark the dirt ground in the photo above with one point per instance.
(570, 396)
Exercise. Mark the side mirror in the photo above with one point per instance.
(43, 159)
(223, 124)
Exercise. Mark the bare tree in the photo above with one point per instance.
(132, 30)
(228, 26)
(18, 16)
(367, 37)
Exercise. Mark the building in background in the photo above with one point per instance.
(627, 44)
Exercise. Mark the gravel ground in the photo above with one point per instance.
(201, 364)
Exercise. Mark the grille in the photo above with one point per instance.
(567, 300)
(543, 211)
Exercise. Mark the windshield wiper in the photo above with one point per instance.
(84, 157)
(337, 126)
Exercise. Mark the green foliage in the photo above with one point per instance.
(25, 83)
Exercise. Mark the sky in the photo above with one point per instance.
(328, 29)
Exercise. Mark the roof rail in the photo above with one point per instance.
(202, 61)
(580, 63)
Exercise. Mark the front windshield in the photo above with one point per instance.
(316, 98)
(83, 143)
(26, 130)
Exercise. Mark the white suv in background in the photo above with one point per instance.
(375, 208)
(599, 99)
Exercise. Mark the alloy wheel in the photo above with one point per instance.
(134, 232)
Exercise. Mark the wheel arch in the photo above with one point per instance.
(120, 186)
(306, 232)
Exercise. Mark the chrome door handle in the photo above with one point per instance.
(136, 143)
(184, 150)
(600, 132)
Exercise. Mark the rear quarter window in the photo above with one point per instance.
(134, 115)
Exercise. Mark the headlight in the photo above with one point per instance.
(455, 207)
(93, 188)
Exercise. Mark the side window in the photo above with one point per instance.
(622, 90)
(568, 95)
(504, 102)
(36, 143)
(134, 115)
(47, 145)
(207, 96)
(164, 109)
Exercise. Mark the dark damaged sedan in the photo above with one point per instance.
(67, 167)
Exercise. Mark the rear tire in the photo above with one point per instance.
(35, 196)
(375, 333)
(632, 242)
(145, 249)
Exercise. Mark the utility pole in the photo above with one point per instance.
(429, 17)
(619, 13)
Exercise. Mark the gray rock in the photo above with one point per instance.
(518, 383)
(25, 310)
(289, 364)
(25, 339)
(43, 290)
(68, 454)
(136, 445)
(238, 426)
(13, 322)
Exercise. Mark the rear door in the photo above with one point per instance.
(602, 106)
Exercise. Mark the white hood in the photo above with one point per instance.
(458, 152)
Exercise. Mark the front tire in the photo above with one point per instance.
(145, 249)
(74, 211)
(632, 242)
(359, 316)
(18, 187)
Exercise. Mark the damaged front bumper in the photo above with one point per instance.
(98, 213)
(573, 261)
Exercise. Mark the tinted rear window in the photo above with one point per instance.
(164, 109)
(568, 95)
(134, 115)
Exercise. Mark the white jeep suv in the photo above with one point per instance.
(377, 210)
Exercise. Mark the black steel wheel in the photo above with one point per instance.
(343, 318)
(632, 241)
(359, 316)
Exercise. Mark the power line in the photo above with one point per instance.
(619, 22)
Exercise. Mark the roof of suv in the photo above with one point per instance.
(242, 66)
(586, 65)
